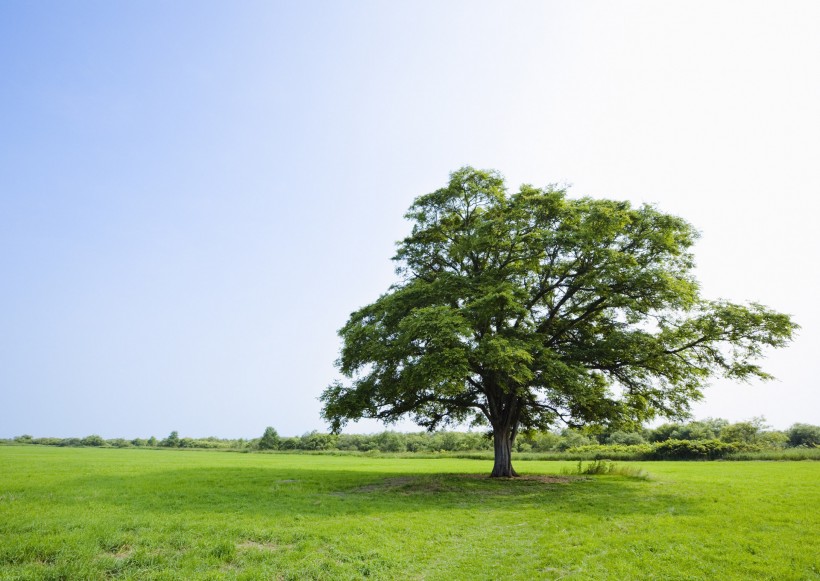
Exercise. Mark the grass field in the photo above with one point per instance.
(155, 514)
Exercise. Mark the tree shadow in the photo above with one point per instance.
(284, 492)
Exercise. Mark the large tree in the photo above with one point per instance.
(521, 311)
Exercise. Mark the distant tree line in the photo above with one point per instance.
(709, 438)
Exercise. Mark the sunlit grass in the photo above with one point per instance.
(156, 514)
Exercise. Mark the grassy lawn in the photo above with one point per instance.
(156, 514)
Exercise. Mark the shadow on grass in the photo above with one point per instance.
(280, 493)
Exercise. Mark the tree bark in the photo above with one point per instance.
(502, 445)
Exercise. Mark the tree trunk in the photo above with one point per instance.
(502, 444)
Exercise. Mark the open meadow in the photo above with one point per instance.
(170, 514)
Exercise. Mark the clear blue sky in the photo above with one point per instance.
(195, 195)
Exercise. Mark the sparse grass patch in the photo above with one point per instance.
(597, 467)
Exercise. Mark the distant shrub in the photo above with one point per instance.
(92, 440)
(692, 450)
(289, 443)
(620, 450)
(451, 441)
(48, 441)
(748, 432)
(270, 440)
(354, 442)
(749, 438)
(805, 435)
(662, 432)
(212, 443)
(390, 442)
(625, 438)
(172, 441)
(540, 441)
(572, 439)
(773, 440)
(523, 446)
(706, 430)
(316, 441)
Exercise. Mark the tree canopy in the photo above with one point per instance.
(526, 310)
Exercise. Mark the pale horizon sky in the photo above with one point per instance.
(194, 196)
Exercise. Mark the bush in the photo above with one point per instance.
(692, 450)
(707, 430)
(48, 441)
(542, 441)
(805, 435)
(92, 440)
(418, 442)
(625, 438)
(748, 432)
(620, 450)
(572, 439)
(662, 432)
(773, 440)
(290, 443)
(270, 440)
(172, 441)
(316, 441)
(390, 442)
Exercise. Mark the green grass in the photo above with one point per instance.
(156, 514)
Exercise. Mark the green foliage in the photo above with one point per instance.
(693, 450)
(390, 442)
(57, 441)
(689, 431)
(270, 440)
(625, 438)
(573, 439)
(541, 441)
(749, 432)
(569, 444)
(523, 310)
(772, 439)
(172, 441)
(92, 440)
(615, 451)
(804, 435)
(316, 441)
